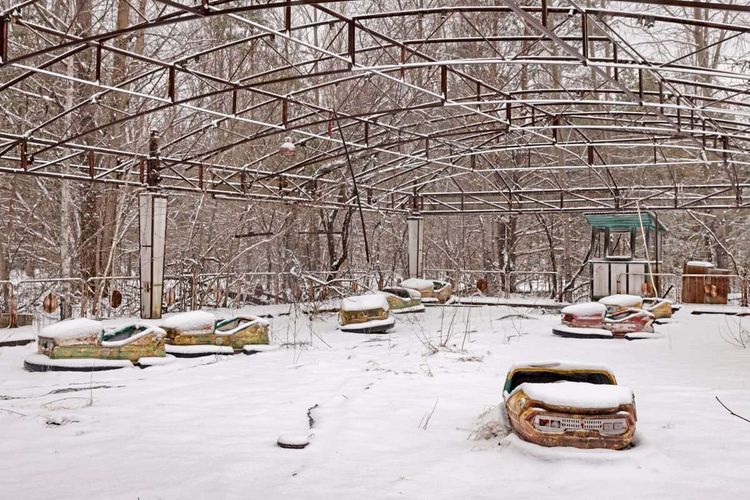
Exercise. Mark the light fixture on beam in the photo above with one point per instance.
(287, 147)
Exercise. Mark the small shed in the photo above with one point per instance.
(703, 283)
(621, 262)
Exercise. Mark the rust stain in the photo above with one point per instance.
(522, 410)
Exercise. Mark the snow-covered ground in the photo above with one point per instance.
(394, 418)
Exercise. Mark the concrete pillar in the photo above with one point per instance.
(415, 226)
(153, 236)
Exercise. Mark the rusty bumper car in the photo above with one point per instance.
(432, 291)
(84, 345)
(365, 314)
(556, 404)
(198, 333)
(244, 332)
(591, 320)
(403, 300)
(660, 308)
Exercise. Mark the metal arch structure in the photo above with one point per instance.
(516, 107)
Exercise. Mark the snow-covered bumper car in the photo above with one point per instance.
(84, 345)
(403, 300)
(244, 332)
(365, 314)
(198, 333)
(590, 320)
(660, 308)
(555, 404)
(432, 291)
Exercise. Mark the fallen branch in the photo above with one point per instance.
(730, 411)
(310, 419)
(12, 412)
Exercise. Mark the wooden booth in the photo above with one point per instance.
(702, 283)
(625, 253)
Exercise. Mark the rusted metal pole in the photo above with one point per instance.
(4, 22)
(152, 236)
(152, 163)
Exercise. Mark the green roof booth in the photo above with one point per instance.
(625, 253)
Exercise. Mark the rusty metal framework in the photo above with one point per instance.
(447, 107)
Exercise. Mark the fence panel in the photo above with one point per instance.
(120, 295)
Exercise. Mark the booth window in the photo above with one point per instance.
(621, 245)
(599, 243)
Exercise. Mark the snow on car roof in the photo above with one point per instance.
(585, 309)
(192, 320)
(621, 300)
(364, 302)
(418, 284)
(578, 394)
(72, 328)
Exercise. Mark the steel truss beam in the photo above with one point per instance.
(438, 129)
(586, 199)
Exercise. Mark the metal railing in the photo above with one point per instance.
(95, 297)
(183, 292)
(507, 284)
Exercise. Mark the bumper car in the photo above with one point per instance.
(591, 320)
(403, 300)
(245, 332)
(84, 345)
(660, 308)
(432, 291)
(365, 314)
(198, 333)
(556, 404)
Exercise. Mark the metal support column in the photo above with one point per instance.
(415, 226)
(153, 235)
